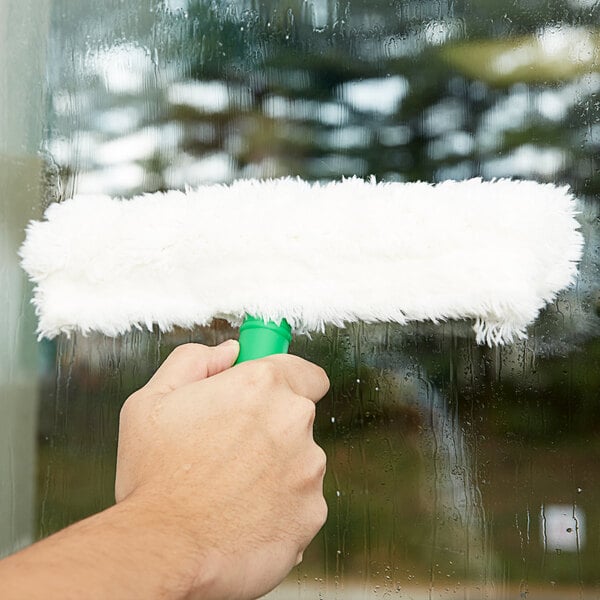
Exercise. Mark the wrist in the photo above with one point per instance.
(168, 547)
(135, 549)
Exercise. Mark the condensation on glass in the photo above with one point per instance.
(454, 470)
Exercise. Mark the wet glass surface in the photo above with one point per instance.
(455, 471)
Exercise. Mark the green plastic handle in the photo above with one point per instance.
(259, 339)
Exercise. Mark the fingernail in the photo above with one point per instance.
(229, 343)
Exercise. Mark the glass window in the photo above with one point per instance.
(455, 470)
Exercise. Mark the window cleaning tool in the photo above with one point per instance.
(283, 255)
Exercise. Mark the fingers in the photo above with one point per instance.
(304, 378)
(192, 362)
(315, 515)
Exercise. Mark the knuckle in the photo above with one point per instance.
(306, 410)
(312, 471)
(317, 517)
(265, 373)
(297, 414)
(321, 460)
(321, 512)
(189, 350)
(322, 375)
(316, 465)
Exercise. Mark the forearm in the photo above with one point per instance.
(234, 448)
(128, 551)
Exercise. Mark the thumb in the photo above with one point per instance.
(192, 362)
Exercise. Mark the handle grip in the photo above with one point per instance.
(259, 339)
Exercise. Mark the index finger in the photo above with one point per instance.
(304, 378)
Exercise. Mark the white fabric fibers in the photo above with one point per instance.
(494, 251)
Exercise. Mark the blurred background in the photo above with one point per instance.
(455, 471)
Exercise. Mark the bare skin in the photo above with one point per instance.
(219, 488)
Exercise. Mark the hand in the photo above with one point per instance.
(226, 459)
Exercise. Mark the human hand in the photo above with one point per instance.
(224, 458)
